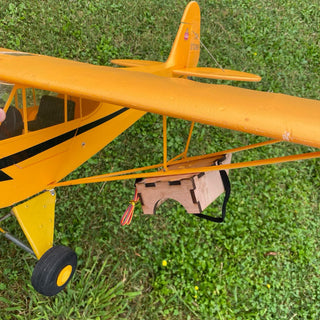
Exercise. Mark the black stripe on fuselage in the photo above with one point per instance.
(46, 145)
(4, 176)
(98, 122)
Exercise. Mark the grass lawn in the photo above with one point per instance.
(263, 262)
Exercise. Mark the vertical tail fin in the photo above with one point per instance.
(186, 47)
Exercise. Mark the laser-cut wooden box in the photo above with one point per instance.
(193, 191)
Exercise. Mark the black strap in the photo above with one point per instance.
(227, 189)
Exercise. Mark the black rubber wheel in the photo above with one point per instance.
(54, 270)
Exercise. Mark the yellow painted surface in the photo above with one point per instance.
(144, 87)
(273, 115)
(38, 171)
(214, 73)
(36, 218)
(131, 174)
(64, 275)
(268, 114)
(135, 63)
(185, 50)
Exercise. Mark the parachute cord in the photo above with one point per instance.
(127, 216)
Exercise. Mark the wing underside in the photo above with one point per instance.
(277, 116)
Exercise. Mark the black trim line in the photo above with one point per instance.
(33, 151)
(4, 176)
(98, 122)
(46, 145)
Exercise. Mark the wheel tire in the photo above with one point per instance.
(54, 270)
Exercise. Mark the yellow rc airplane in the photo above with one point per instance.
(55, 114)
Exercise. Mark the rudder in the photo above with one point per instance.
(185, 51)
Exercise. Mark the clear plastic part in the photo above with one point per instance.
(5, 90)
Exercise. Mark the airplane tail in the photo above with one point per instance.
(185, 51)
(184, 55)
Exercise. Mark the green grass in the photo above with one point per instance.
(263, 262)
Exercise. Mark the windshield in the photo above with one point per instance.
(5, 90)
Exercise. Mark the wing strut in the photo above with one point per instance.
(184, 166)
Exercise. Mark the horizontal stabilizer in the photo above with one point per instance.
(215, 73)
(134, 63)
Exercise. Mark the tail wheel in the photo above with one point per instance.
(54, 270)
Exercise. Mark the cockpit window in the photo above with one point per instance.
(12, 125)
(5, 90)
(28, 109)
(51, 111)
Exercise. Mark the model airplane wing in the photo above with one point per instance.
(277, 116)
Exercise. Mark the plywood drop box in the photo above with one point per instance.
(195, 191)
